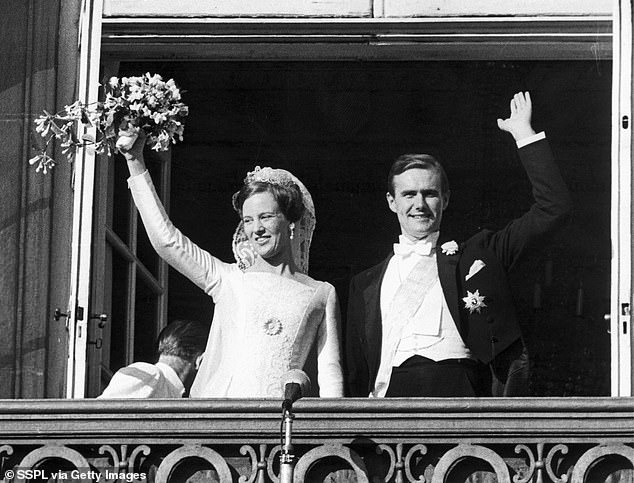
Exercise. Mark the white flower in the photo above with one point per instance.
(159, 117)
(135, 94)
(449, 248)
(145, 101)
(153, 80)
(474, 301)
(42, 126)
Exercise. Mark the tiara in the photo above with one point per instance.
(269, 175)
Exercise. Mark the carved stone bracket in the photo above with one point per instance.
(548, 464)
(419, 448)
(396, 461)
(400, 465)
(532, 464)
(125, 463)
(539, 464)
(5, 448)
(258, 466)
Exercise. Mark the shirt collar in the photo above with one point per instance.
(423, 247)
(430, 239)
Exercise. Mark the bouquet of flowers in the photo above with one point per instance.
(131, 104)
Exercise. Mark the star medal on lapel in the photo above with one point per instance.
(474, 301)
(449, 248)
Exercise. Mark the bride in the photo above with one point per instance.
(268, 312)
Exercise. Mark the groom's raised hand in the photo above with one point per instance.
(518, 124)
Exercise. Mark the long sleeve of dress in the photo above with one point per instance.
(330, 373)
(180, 252)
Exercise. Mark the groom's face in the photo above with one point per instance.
(418, 202)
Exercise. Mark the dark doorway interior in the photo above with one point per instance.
(339, 125)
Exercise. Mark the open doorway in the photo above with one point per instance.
(339, 125)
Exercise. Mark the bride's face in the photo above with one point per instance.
(265, 225)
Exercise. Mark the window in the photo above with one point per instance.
(337, 108)
(129, 279)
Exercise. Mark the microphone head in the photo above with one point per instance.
(298, 377)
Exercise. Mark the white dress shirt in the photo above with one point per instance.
(431, 332)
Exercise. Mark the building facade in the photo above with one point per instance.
(334, 91)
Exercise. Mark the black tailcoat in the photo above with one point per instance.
(492, 334)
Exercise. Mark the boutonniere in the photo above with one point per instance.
(449, 248)
(474, 301)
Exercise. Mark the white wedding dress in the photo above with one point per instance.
(263, 324)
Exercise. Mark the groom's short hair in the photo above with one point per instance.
(416, 161)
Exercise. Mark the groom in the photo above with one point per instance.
(437, 319)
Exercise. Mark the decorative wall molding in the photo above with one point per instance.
(429, 38)
(352, 8)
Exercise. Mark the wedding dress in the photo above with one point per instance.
(263, 325)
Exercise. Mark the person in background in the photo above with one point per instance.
(437, 319)
(181, 345)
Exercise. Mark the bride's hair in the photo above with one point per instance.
(288, 197)
(295, 203)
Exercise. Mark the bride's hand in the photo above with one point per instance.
(130, 143)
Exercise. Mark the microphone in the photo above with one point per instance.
(295, 384)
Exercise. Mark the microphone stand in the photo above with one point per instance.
(295, 384)
(287, 458)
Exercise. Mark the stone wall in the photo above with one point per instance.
(39, 42)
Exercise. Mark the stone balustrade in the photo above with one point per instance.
(400, 440)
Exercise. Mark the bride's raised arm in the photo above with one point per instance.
(170, 244)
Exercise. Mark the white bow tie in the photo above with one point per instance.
(422, 248)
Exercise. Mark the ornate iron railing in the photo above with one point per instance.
(398, 440)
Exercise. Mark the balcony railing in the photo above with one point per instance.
(398, 440)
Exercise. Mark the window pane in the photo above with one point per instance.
(121, 201)
(146, 322)
(119, 320)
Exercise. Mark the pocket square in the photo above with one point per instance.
(475, 268)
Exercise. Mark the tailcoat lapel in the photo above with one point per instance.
(374, 324)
